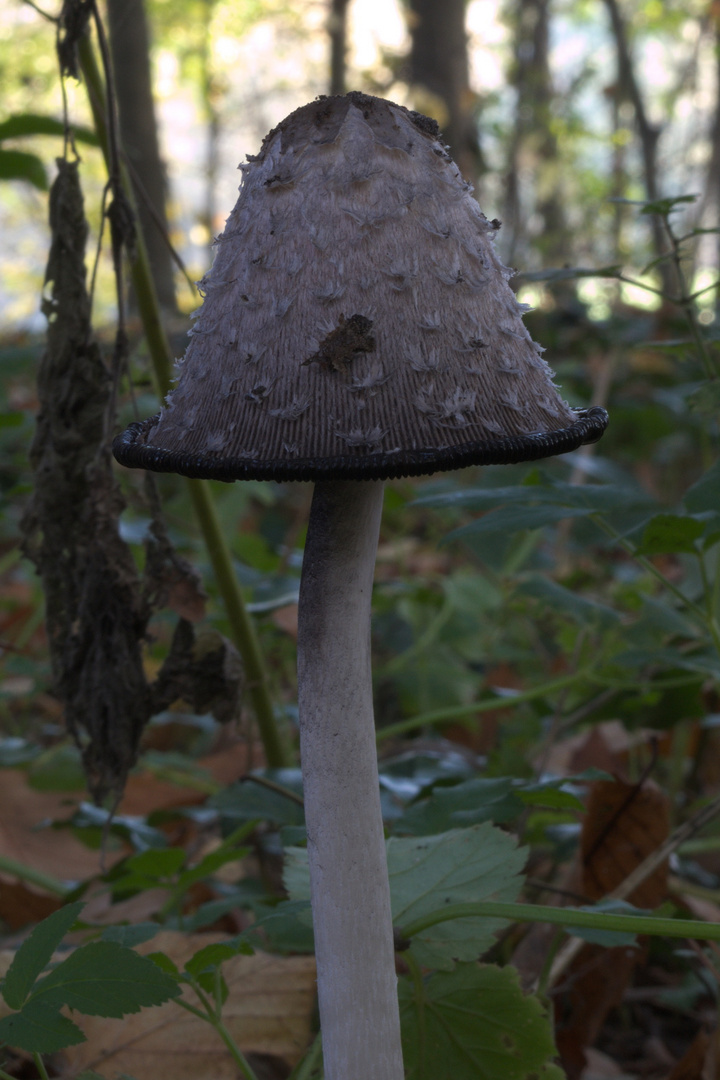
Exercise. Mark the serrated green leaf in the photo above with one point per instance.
(105, 979)
(39, 1030)
(164, 963)
(213, 955)
(474, 1022)
(670, 533)
(468, 803)
(456, 867)
(19, 165)
(34, 954)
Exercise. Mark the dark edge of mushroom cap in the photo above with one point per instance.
(131, 450)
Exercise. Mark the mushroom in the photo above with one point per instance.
(357, 326)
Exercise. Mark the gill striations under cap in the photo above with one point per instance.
(357, 322)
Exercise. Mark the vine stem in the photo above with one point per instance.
(214, 1018)
(40, 1066)
(456, 712)
(242, 627)
(305, 1068)
(646, 564)
(567, 917)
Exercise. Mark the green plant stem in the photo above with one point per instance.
(40, 1066)
(214, 1018)
(456, 712)
(242, 628)
(6, 1076)
(304, 1069)
(685, 301)
(568, 917)
(415, 972)
(241, 624)
(36, 877)
(646, 564)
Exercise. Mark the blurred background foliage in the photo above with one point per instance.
(517, 611)
(592, 130)
(574, 120)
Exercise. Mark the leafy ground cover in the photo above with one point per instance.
(546, 670)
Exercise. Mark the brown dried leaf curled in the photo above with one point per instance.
(205, 670)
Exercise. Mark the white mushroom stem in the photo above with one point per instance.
(357, 984)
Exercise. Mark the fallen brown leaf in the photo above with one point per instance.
(623, 824)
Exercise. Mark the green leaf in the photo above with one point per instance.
(474, 1023)
(57, 769)
(164, 963)
(11, 419)
(105, 979)
(157, 863)
(89, 1074)
(468, 803)
(670, 533)
(705, 493)
(24, 124)
(512, 519)
(207, 866)
(705, 400)
(246, 801)
(592, 497)
(582, 609)
(35, 953)
(131, 935)
(666, 206)
(464, 865)
(39, 1030)
(213, 955)
(19, 165)
(284, 928)
(550, 795)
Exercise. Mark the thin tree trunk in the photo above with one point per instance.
(439, 63)
(130, 49)
(648, 134)
(535, 146)
(337, 29)
(357, 984)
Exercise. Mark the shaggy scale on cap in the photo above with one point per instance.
(357, 322)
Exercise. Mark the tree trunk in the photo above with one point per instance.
(337, 29)
(648, 134)
(535, 147)
(439, 64)
(130, 50)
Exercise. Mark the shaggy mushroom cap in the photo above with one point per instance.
(357, 322)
